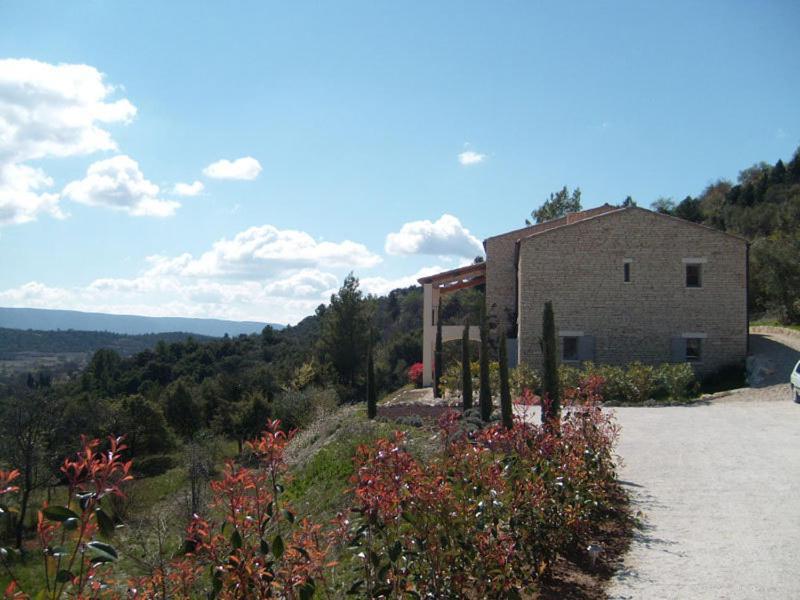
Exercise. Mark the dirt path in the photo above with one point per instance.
(718, 486)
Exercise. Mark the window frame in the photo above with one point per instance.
(694, 263)
(577, 355)
(693, 337)
(699, 354)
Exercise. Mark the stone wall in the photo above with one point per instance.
(580, 268)
(501, 271)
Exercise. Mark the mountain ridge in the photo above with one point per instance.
(45, 319)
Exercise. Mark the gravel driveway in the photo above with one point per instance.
(718, 487)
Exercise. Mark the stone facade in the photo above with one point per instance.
(501, 271)
(580, 267)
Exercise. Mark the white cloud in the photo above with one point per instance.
(49, 111)
(21, 195)
(119, 184)
(262, 251)
(445, 237)
(188, 189)
(242, 168)
(468, 157)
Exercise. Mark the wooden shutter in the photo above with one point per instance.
(678, 349)
(586, 347)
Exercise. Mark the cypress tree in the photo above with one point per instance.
(437, 355)
(466, 371)
(372, 398)
(505, 391)
(552, 411)
(485, 392)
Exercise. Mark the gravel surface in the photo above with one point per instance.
(718, 487)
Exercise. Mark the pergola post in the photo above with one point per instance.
(430, 316)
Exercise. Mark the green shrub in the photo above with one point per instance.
(569, 376)
(635, 383)
(150, 466)
(451, 378)
(296, 408)
(523, 377)
(676, 381)
(642, 379)
(617, 386)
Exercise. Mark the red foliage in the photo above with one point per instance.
(415, 374)
(485, 516)
(246, 553)
(488, 514)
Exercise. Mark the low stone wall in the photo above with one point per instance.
(775, 329)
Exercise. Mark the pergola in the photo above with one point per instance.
(434, 286)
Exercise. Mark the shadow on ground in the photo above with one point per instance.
(778, 358)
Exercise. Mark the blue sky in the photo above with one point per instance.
(356, 120)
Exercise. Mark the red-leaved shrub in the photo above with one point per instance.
(415, 374)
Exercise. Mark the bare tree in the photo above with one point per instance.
(27, 419)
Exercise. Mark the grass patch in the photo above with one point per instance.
(319, 484)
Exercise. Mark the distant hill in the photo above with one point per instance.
(15, 342)
(48, 320)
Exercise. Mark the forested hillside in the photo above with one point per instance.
(227, 386)
(763, 206)
(14, 341)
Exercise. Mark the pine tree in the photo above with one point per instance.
(557, 205)
(485, 391)
(551, 410)
(372, 397)
(437, 355)
(793, 168)
(505, 391)
(343, 336)
(778, 173)
(466, 371)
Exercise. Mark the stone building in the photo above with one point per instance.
(626, 284)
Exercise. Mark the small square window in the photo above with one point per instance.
(694, 349)
(626, 272)
(693, 276)
(569, 348)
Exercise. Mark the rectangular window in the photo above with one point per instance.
(694, 349)
(626, 272)
(694, 275)
(569, 348)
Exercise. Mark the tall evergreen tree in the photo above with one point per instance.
(466, 371)
(372, 394)
(793, 169)
(343, 339)
(551, 409)
(778, 173)
(506, 411)
(438, 355)
(485, 390)
(182, 410)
